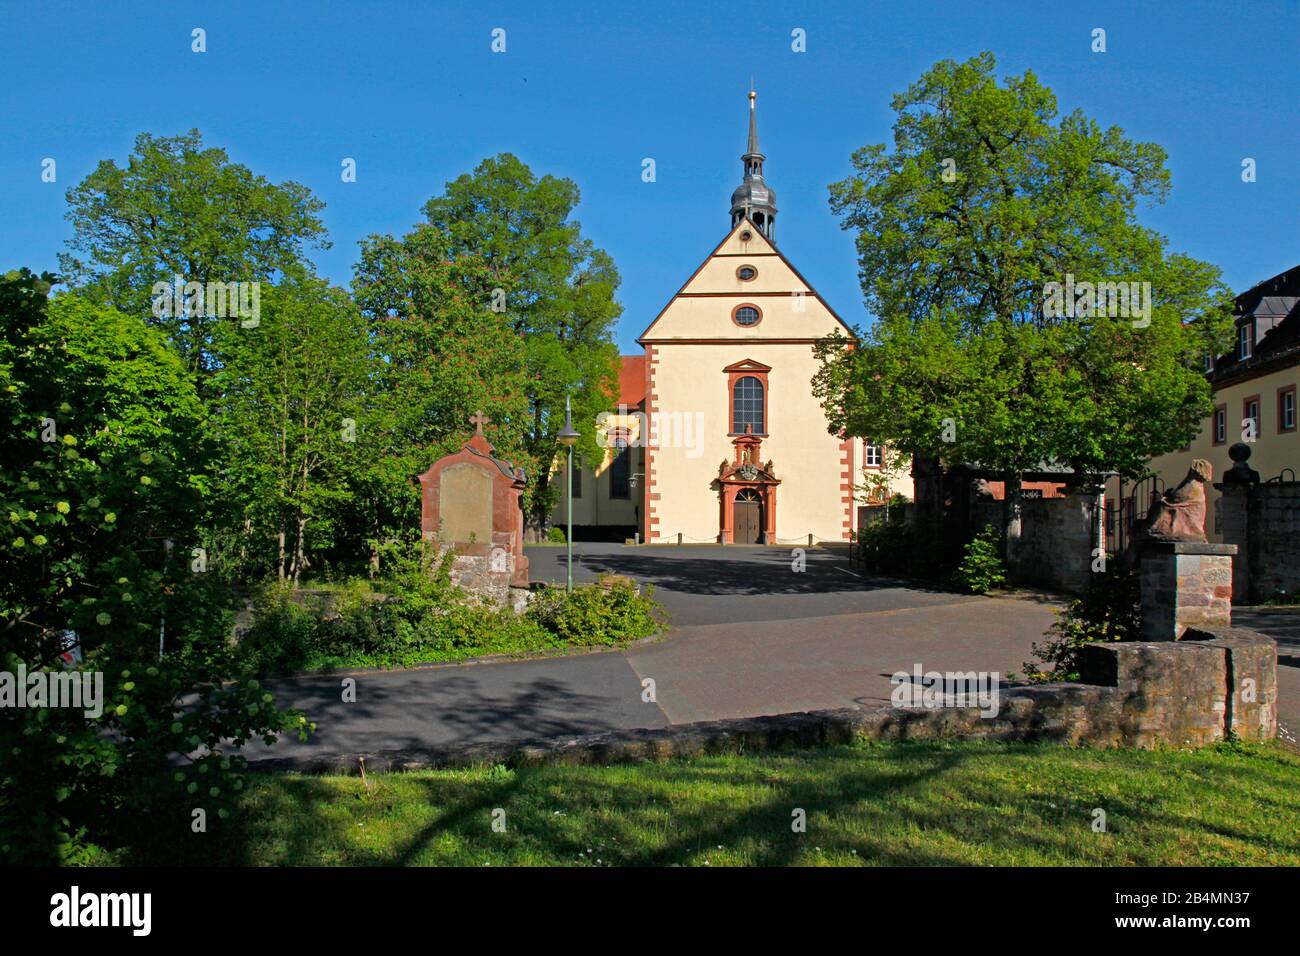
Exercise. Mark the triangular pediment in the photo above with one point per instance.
(747, 365)
(745, 269)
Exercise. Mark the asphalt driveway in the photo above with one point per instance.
(753, 632)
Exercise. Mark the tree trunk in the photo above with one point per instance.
(279, 564)
(1011, 519)
(299, 555)
(374, 544)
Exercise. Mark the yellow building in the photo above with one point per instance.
(738, 449)
(1254, 394)
(607, 494)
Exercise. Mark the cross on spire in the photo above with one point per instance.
(478, 420)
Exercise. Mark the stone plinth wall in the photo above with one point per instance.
(1052, 544)
(1263, 520)
(489, 577)
(1184, 584)
(1150, 694)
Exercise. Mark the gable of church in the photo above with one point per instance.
(745, 272)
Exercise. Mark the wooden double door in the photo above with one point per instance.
(747, 517)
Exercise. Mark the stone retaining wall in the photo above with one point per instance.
(1142, 694)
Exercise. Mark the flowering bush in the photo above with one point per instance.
(102, 462)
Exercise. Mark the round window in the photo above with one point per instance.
(745, 273)
(746, 315)
(746, 236)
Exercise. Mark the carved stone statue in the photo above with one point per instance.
(1179, 515)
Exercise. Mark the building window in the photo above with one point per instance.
(1245, 340)
(1250, 414)
(1286, 409)
(1220, 425)
(747, 406)
(872, 455)
(620, 470)
(746, 273)
(1209, 361)
(746, 316)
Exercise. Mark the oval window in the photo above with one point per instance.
(746, 236)
(745, 273)
(746, 315)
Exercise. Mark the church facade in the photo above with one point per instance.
(722, 436)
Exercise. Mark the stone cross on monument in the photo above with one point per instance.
(478, 420)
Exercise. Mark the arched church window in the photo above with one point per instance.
(620, 469)
(747, 405)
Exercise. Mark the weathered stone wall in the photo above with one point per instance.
(489, 577)
(1054, 547)
(1264, 521)
(1051, 543)
(1143, 694)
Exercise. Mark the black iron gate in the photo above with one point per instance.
(1133, 502)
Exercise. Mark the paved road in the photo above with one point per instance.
(750, 636)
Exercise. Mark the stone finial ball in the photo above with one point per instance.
(1202, 469)
(1239, 452)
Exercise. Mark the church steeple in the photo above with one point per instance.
(754, 199)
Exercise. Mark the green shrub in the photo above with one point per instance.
(1108, 610)
(556, 535)
(982, 570)
(282, 636)
(417, 615)
(886, 546)
(596, 615)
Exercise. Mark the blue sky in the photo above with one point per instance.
(413, 92)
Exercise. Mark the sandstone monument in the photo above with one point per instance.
(470, 504)
(1179, 515)
(1186, 582)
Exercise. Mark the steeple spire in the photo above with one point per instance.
(753, 126)
(754, 199)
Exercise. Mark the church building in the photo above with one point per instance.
(722, 439)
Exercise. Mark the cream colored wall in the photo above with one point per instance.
(595, 506)
(689, 379)
(719, 275)
(1269, 454)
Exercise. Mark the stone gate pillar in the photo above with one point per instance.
(1184, 584)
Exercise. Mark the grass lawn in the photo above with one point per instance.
(875, 804)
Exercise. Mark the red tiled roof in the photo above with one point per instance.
(631, 381)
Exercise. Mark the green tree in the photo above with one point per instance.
(441, 354)
(559, 291)
(986, 198)
(179, 208)
(101, 488)
(293, 396)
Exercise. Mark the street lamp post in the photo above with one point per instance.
(569, 437)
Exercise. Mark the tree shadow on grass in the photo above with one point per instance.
(912, 804)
